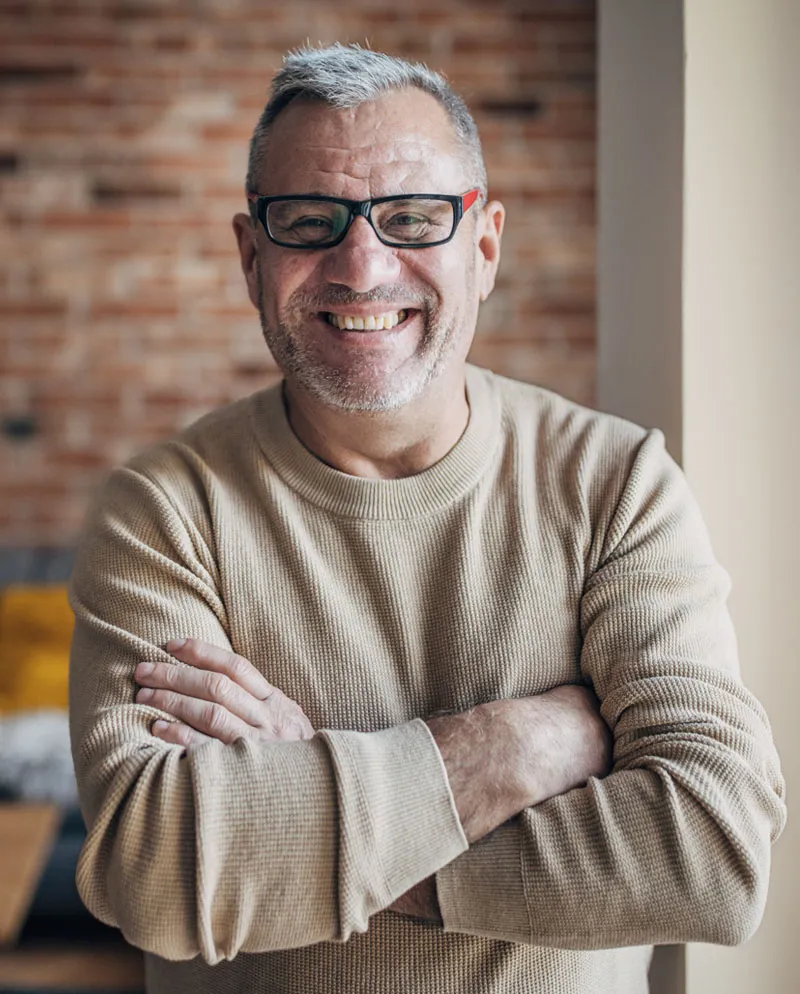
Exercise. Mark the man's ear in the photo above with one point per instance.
(491, 232)
(245, 232)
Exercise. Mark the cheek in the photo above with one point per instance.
(459, 291)
(282, 275)
(458, 269)
(445, 275)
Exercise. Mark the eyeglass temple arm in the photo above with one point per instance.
(469, 199)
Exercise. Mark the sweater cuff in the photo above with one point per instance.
(481, 892)
(397, 814)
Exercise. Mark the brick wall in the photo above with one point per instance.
(123, 140)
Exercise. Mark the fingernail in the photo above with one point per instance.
(144, 669)
(175, 644)
(145, 694)
(160, 725)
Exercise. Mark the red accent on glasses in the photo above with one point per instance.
(470, 198)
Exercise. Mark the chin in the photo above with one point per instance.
(342, 393)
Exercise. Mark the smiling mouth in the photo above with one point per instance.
(372, 322)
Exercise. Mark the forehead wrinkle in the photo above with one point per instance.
(378, 182)
(378, 153)
(384, 171)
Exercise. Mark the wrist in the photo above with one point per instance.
(482, 754)
(504, 756)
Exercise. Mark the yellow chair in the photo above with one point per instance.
(36, 624)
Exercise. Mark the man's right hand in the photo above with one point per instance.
(218, 695)
(504, 756)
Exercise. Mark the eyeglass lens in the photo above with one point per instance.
(399, 222)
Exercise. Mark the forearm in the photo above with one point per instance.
(672, 846)
(252, 846)
(505, 756)
(173, 857)
(643, 856)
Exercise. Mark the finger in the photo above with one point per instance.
(303, 727)
(206, 685)
(210, 719)
(178, 733)
(212, 657)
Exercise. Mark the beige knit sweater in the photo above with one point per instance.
(552, 545)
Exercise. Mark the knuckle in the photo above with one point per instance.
(191, 650)
(217, 685)
(159, 699)
(238, 665)
(278, 701)
(180, 734)
(216, 719)
(170, 699)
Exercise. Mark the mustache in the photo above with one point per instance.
(338, 295)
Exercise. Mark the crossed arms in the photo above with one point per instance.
(500, 757)
(196, 851)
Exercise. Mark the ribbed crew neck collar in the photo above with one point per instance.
(410, 497)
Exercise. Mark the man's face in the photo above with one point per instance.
(401, 143)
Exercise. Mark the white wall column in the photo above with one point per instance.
(741, 363)
(713, 357)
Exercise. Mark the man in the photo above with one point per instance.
(338, 645)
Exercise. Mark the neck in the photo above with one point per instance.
(385, 445)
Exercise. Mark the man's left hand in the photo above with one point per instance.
(219, 695)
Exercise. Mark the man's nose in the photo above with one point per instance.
(361, 261)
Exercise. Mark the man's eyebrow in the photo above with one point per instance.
(320, 193)
(312, 193)
(303, 193)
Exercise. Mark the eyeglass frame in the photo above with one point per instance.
(363, 208)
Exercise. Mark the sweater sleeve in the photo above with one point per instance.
(674, 844)
(215, 849)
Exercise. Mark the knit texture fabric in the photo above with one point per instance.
(552, 545)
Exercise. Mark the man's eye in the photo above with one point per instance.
(409, 224)
(401, 220)
(307, 229)
(310, 223)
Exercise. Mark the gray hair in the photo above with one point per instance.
(347, 76)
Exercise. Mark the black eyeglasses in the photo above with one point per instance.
(408, 220)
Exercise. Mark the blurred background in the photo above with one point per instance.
(123, 147)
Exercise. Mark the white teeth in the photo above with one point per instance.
(374, 322)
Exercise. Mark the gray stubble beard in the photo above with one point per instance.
(331, 386)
